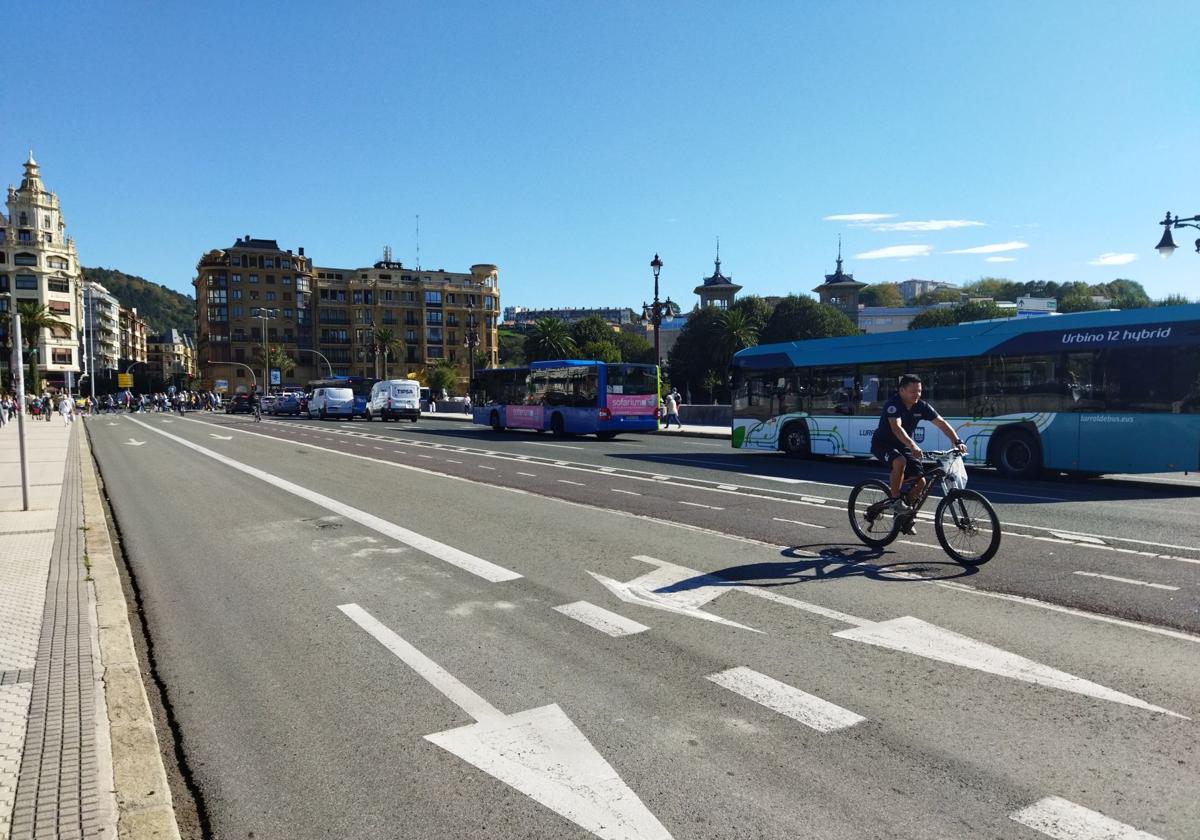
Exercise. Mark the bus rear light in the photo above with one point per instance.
(605, 414)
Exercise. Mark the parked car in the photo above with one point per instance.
(331, 402)
(239, 404)
(392, 399)
(268, 402)
(287, 403)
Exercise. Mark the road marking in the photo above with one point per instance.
(220, 437)
(797, 522)
(529, 475)
(576, 483)
(132, 442)
(1078, 538)
(539, 752)
(467, 562)
(706, 507)
(426, 457)
(727, 487)
(377, 448)
(448, 460)
(602, 469)
(1129, 580)
(660, 478)
(780, 479)
(1064, 820)
(555, 445)
(483, 467)
(912, 635)
(808, 709)
(356, 443)
(625, 492)
(660, 589)
(601, 619)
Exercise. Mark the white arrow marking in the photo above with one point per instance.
(808, 709)
(132, 442)
(112, 424)
(1062, 819)
(912, 635)
(687, 602)
(220, 437)
(168, 421)
(540, 752)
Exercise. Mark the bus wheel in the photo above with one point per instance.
(556, 426)
(1017, 454)
(497, 426)
(794, 440)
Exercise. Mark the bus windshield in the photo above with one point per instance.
(632, 379)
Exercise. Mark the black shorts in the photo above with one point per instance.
(890, 452)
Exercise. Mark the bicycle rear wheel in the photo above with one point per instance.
(967, 527)
(870, 518)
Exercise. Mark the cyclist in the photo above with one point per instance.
(256, 405)
(893, 444)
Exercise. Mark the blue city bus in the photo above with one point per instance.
(568, 397)
(360, 385)
(1114, 391)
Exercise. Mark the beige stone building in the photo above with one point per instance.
(133, 330)
(38, 263)
(101, 345)
(172, 356)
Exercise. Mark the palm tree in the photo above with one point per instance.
(549, 338)
(388, 344)
(735, 331)
(34, 318)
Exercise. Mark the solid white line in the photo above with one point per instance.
(467, 562)
(576, 483)
(697, 504)
(433, 673)
(798, 522)
(555, 445)
(1064, 820)
(626, 492)
(601, 619)
(727, 487)
(808, 709)
(1129, 580)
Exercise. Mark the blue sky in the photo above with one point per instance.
(570, 141)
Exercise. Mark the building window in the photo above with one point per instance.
(59, 307)
(434, 353)
(237, 278)
(237, 312)
(433, 298)
(236, 294)
(285, 279)
(26, 282)
(3, 282)
(287, 313)
(450, 299)
(254, 294)
(57, 262)
(270, 295)
(62, 356)
(24, 219)
(25, 259)
(253, 278)
(58, 284)
(433, 317)
(284, 262)
(270, 279)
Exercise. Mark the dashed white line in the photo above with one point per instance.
(808, 709)
(1077, 538)
(697, 504)
(727, 486)
(529, 475)
(598, 618)
(1129, 580)
(625, 492)
(1062, 819)
(576, 483)
(484, 467)
(797, 522)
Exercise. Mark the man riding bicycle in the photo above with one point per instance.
(893, 444)
(256, 406)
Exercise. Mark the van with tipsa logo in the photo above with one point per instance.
(394, 399)
(331, 402)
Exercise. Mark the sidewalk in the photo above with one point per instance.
(56, 688)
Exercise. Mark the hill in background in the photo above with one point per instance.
(162, 308)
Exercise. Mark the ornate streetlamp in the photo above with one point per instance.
(654, 312)
(472, 341)
(1166, 246)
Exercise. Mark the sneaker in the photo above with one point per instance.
(910, 526)
(899, 507)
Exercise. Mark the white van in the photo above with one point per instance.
(331, 402)
(392, 399)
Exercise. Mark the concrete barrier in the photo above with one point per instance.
(706, 415)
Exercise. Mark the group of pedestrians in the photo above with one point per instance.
(42, 407)
(50, 403)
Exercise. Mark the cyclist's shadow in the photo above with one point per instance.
(820, 562)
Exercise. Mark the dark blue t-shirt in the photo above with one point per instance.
(909, 418)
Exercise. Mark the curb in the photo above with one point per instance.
(143, 796)
(719, 435)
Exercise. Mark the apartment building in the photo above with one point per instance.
(102, 329)
(172, 356)
(38, 263)
(133, 330)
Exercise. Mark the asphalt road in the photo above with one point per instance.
(325, 599)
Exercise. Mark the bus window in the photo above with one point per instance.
(878, 384)
(945, 386)
(833, 391)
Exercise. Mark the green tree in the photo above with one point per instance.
(603, 351)
(549, 338)
(276, 357)
(1172, 300)
(735, 331)
(944, 316)
(590, 329)
(34, 318)
(512, 348)
(389, 345)
(942, 295)
(634, 348)
(881, 294)
(693, 360)
(442, 377)
(757, 310)
(935, 316)
(801, 318)
(996, 288)
(1125, 294)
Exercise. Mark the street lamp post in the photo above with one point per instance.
(472, 342)
(322, 357)
(654, 312)
(253, 378)
(264, 315)
(1166, 246)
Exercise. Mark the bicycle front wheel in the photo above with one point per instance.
(870, 518)
(967, 527)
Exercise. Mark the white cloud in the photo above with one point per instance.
(895, 251)
(1113, 258)
(1000, 259)
(860, 217)
(932, 224)
(991, 249)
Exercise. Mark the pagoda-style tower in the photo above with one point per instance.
(841, 290)
(718, 290)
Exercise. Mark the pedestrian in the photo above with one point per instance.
(65, 409)
(671, 412)
(4, 407)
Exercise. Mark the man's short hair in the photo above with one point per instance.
(909, 379)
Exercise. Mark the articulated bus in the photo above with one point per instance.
(568, 397)
(360, 385)
(1090, 393)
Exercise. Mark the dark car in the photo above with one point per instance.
(287, 404)
(239, 404)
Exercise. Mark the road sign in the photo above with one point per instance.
(124, 380)
(275, 380)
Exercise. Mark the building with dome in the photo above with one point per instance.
(717, 290)
(38, 263)
(841, 290)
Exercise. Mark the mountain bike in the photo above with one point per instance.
(257, 412)
(965, 521)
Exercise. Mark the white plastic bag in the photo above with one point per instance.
(956, 473)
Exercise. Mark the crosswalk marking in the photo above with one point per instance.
(601, 619)
(1064, 820)
(808, 709)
